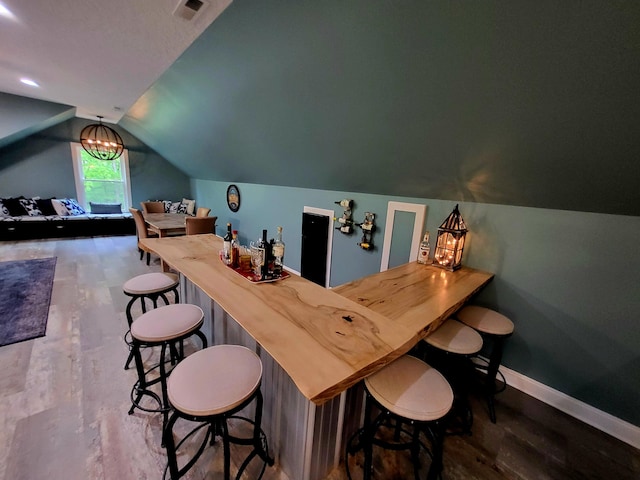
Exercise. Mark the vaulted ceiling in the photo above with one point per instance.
(519, 103)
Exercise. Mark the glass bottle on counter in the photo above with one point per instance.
(226, 245)
(425, 250)
(266, 247)
(278, 253)
(235, 250)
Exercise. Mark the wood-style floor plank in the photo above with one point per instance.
(65, 398)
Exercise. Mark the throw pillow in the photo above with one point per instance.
(191, 206)
(46, 207)
(16, 209)
(167, 205)
(105, 207)
(60, 209)
(174, 207)
(182, 208)
(31, 207)
(73, 206)
(4, 211)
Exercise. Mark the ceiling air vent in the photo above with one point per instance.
(188, 9)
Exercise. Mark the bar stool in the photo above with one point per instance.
(210, 387)
(412, 398)
(496, 328)
(165, 327)
(452, 346)
(152, 286)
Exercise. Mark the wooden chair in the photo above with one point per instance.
(141, 229)
(152, 207)
(202, 212)
(199, 225)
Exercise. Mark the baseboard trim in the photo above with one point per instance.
(603, 421)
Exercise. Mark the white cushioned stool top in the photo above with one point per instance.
(150, 283)
(412, 389)
(214, 380)
(485, 320)
(455, 337)
(167, 322)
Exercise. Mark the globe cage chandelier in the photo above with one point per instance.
(101, 142)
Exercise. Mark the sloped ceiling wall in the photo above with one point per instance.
(21, 116)
(520, 103)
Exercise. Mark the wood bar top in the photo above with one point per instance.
(418, 297)
(324, 341)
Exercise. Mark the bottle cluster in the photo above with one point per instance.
(264, 257)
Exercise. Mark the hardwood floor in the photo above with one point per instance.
(65, 398)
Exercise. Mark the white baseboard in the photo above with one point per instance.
(603, 421)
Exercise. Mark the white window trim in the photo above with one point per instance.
(416, 237)
(76, 156)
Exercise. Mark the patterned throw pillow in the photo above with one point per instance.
(72, 206)
(31, 207)
(174, 207)
(4, 211)
(60, 209)
(191, 206)
(167, 205)
(182, 208)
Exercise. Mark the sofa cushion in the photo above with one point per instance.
(13, 205)
(46, 207)
(31, 206)
(105, 207)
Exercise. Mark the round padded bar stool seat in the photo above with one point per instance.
(412, 389)
(150, 283)
(455, 337)
(485, 320)
(411, 398)
(167, 323)
(214, 380)
(211, 387)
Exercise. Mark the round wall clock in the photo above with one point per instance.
(233, 198)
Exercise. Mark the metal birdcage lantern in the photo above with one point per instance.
(450, 243)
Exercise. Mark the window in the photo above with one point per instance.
(101, 181)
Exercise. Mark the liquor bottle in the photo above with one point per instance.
(226, 248)
(425, 250)
(264, 244)
(235, 250)
(278, 254)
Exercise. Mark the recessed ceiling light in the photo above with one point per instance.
(5, 12)
(28, 81)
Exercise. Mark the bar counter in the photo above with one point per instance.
(315, 343)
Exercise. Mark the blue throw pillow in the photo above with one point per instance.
(73, 206)
(105, 207)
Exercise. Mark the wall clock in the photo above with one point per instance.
(233, 198)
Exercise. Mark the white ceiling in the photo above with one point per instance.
(97, 55)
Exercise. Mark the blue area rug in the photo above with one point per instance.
(25, 293)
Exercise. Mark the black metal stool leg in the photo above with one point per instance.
(492, 372)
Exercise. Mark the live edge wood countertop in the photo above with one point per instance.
(326, 340)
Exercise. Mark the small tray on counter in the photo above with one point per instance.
(253, 278)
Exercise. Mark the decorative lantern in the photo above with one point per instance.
(450, 242)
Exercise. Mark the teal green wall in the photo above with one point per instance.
(531, 103)
(569, 280)
(21, 116)
(41, 165)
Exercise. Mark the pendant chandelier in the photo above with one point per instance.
(101, 142)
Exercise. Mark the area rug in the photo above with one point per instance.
(25, 293)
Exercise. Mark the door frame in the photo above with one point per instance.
(331, 214)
